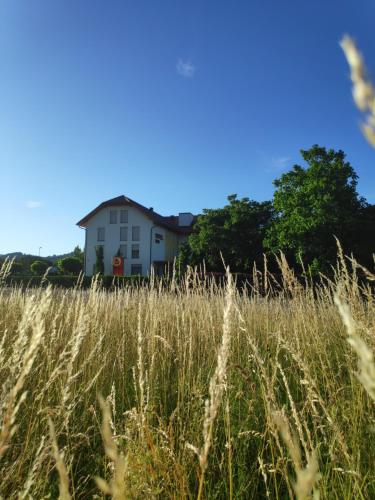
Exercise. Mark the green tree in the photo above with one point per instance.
(234, 232)
(17, 268)
(99, 264)
(39, 267)
(313, 205)
(78, 253)
(70, 265)
(184, 257)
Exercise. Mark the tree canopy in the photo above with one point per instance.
(78, 253)
(234, 233)
(39, 267)
(312, 204)
(315, 204)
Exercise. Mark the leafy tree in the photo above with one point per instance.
(235, 231)
(39, 267)
(99, 264)
(364, 235)
(17, 268)
(184, 257)
(313, 205)
(70, 265)
(78, 253)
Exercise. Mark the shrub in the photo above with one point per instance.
(39, 267)
(99, 264)
(70, 265)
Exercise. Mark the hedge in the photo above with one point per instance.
(70, 281)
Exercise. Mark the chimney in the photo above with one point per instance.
(185, 218)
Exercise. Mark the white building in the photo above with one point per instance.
(143, 237)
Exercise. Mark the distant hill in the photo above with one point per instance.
(31, 258)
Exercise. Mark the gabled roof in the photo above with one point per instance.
(170, 222)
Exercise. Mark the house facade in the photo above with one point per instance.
(142, 238)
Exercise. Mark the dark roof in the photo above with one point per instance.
(170, 222)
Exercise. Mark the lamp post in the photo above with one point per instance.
(39, 250)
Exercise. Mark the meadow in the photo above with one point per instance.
(190, 389)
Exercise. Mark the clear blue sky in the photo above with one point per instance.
(174, 103)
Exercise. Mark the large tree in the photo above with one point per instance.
(314, 204)
(235, 231)
(78, 253)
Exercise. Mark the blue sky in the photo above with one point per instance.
(175, 104)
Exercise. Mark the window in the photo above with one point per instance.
(135, 233)
(124, 216)
(124, 233)
(159, 236)
(124, 251)
(113, 217)
(136, 269)
(101, 233)
(135, 251)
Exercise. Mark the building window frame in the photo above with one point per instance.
(136, 233)
(135, 251)
(124, 251)
(136, 269)
(123, 233)
(113, 216)
(101, 234)
(124, 216)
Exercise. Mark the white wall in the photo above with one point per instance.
(158, 249)
(160, 252)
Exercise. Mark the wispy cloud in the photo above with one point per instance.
(34, 204)
(281, 163)
(185, 68)
(278, 164)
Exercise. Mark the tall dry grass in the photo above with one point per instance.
(189, 389)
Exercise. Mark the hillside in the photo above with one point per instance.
(29, 257)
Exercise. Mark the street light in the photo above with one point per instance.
(39, 250)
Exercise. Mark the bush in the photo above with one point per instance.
(39, 267)
(70, 265)
(99, 263)
(17, 268)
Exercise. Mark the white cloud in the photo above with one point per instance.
(279, 164)
(34, 204)
(185, 68)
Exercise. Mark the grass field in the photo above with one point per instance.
(190, 390)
